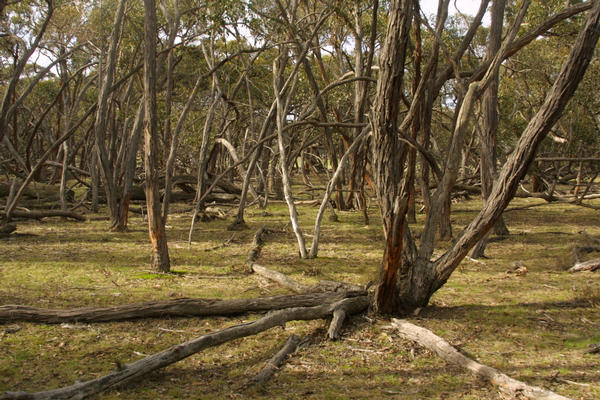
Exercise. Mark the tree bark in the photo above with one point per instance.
(488, 132)
(387, 151)
(506, 384)
(100, 126)
(184, 307)
(275, 362)
(156, 225)
(136, 369)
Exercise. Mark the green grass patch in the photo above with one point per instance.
(535, 327)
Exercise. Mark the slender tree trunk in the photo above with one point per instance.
(130, 163)
(100, 128)
(279, 65)
(488, 132)
(156, 225)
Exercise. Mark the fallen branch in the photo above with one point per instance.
(590, 265)
(170, 308)
(282, 279)
(224, 244)
(275, 362)
(506, 384)
(46, 214)
(339, 315)
(136, 369)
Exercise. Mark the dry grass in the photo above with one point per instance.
(534, 327)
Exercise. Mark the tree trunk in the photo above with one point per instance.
(279, 65)
(408, 278)
(156, 225)
(489, 129)
(100, 127)
(388, 154)
(136, 369)
(184, 307)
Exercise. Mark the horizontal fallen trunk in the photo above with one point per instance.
(46, 214)
(275, 362)
(136, 369)
(506, 384)
(591, 265)
(38, 191)
(169, 308)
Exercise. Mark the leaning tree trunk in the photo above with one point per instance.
(409, 281)
(156, 225)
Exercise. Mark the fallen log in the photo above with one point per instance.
(591, 265)
(506, 384)
(70, 167)
(184, 307)
(136, 369)
(38, 191)
(46, 214)
(275, 362)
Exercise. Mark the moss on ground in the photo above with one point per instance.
(534, 327)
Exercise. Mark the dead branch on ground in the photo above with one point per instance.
(506, 384)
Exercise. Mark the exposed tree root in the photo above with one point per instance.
(169, 308)
(137, 369)
(275, 362)
(506, 384)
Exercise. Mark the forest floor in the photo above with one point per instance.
(534, 326)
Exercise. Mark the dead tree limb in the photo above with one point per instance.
(136, 369)
(275, 362)
(323, 286)
(280, 278)
(506, 384)
(591, 265)
(170, 308)
(339, 316)
(46, 214)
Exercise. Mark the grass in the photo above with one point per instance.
(534, 327)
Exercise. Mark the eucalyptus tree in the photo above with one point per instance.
(409, 275)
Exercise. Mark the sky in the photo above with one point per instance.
(468, 7)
